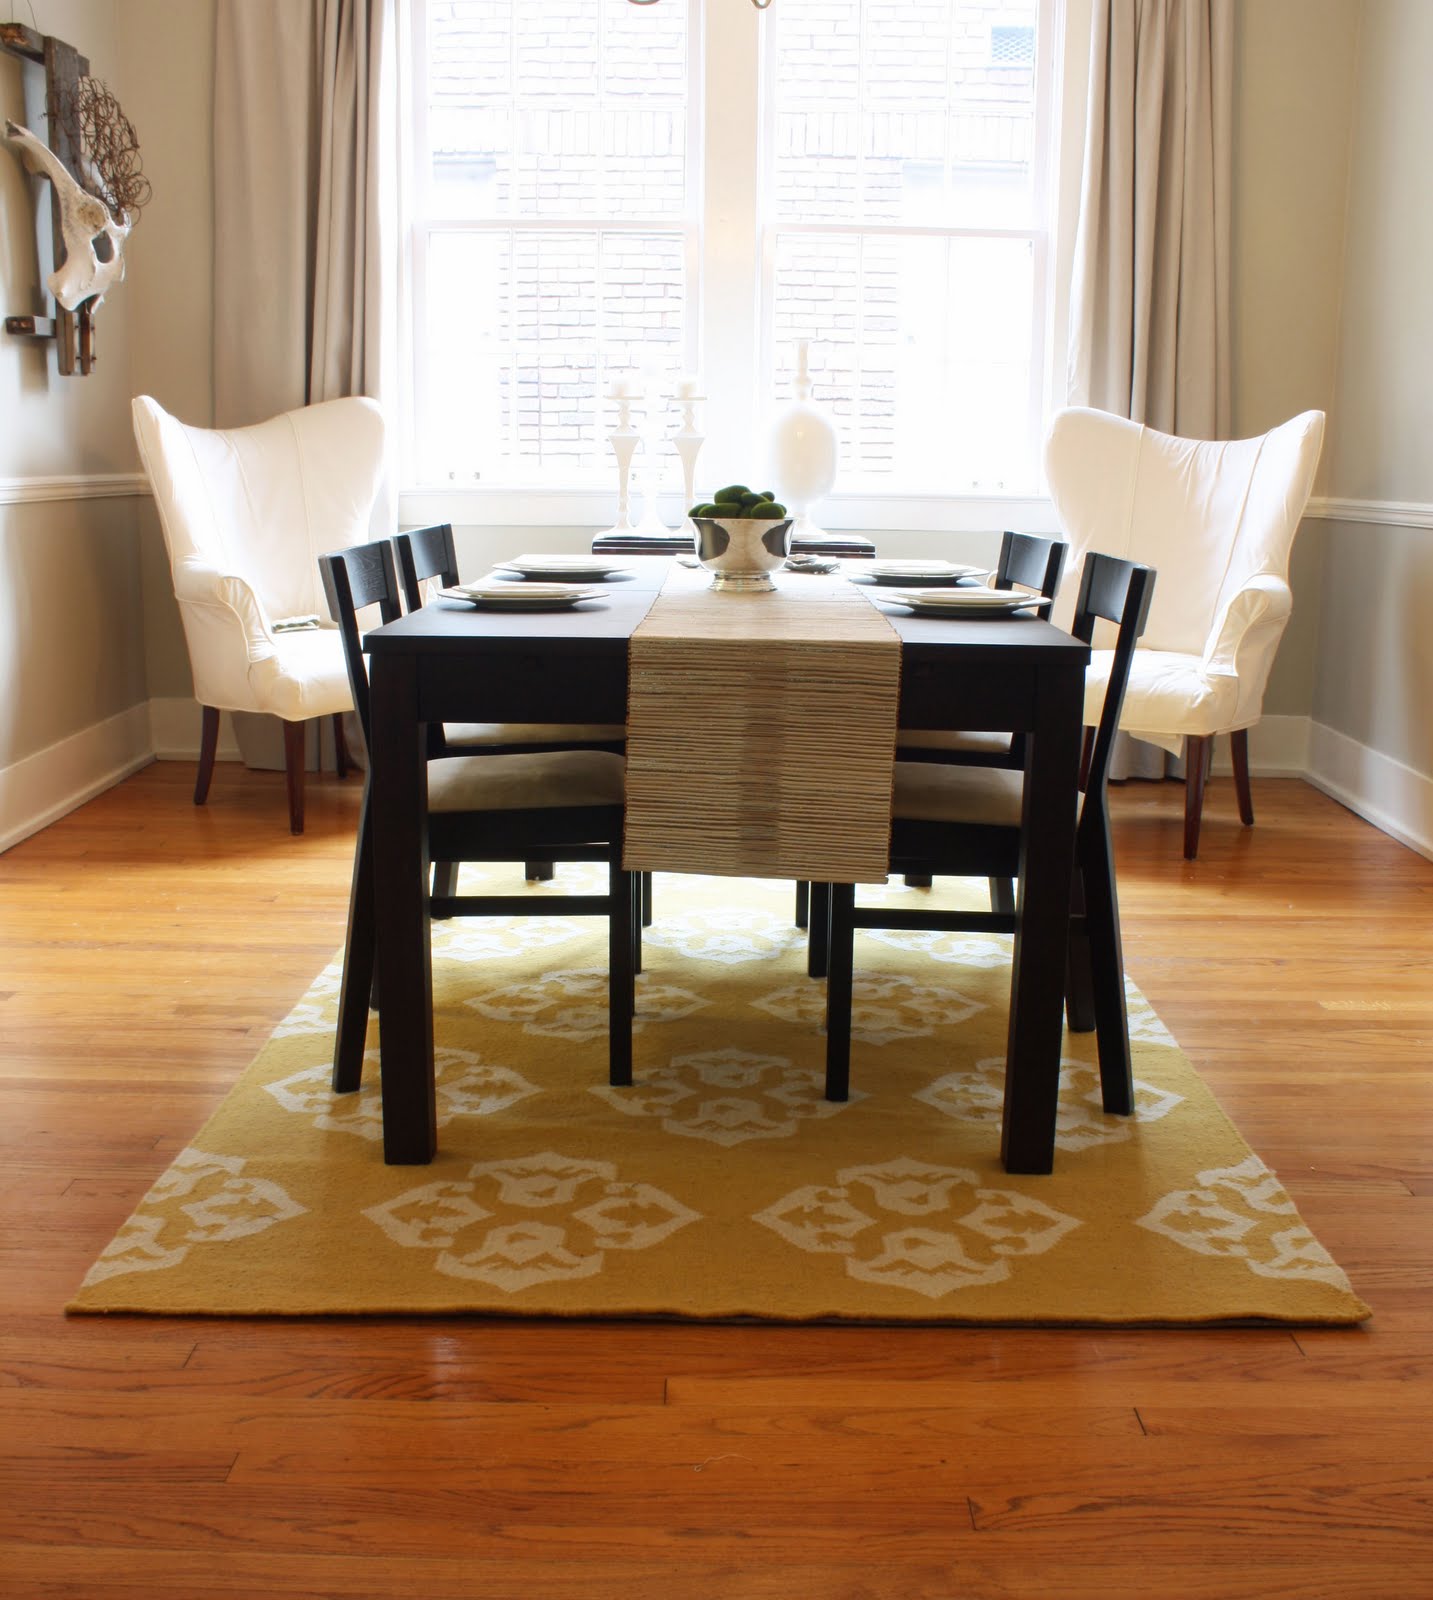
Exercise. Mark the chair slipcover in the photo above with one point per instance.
(246, 512)
(1217, 520)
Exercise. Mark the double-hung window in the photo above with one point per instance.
(603, 193)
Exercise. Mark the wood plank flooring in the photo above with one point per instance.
(146, 950)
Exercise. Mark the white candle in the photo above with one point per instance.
(688, 389)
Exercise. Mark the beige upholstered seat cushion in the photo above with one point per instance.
(994, 744)
(522, 783)
(476, 735)
(926, 791)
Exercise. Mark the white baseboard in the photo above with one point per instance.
(174, 725)
(45, 786)
(1388, 794)
(1278, 748)
(41, 788)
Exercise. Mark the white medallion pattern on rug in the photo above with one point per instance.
(885, 1007)
(466, 1086)
(977, 1096)
(907, 1224)
(494, 938)
(727, 937)
(528, 1220)
(981, 950)
(728, 1097)
(1244, 1213)
(573, 1004)
(202, 1199)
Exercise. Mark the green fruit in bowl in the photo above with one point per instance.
(733, 494)
(737, 502)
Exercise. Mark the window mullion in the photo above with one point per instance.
(730, 37)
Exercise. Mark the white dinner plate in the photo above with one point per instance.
(911, 571)
(579, 569)
(521, 596)
(970, 602)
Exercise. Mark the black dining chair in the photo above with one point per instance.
(552, 805)
(425, 554)
(959, 821)
(1031, 562)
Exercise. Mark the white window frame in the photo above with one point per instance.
(726, 277)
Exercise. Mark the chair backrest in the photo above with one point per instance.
(363, 575)
(1208, 514)
(264, 502)
(425, 553)
(1119, 592)
(1028, 559)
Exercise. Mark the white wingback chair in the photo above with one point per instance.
(1216, 520)
(246, 513)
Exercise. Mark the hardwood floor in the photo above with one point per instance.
(147, 948)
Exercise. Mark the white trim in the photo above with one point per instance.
(1391, 796)
(1390, 513)
(87, 486)
(174, 728)
(41, 788)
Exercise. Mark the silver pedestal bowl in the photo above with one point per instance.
(742, 552)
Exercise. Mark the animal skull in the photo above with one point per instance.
(94, 241)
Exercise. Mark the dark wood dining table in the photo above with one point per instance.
(450, 662)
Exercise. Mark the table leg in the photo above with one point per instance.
(403, 947)
(1047, 856)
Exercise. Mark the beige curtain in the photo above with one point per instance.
(1149, 302)
(1149, 297)
(303, 200)
(304, 232)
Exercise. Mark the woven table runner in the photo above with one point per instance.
(761, 731)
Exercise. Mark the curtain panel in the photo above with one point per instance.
(305, 204)
(1149, 318)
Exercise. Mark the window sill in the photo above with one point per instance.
(838, 513)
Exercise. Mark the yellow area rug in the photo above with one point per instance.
(722, 1184)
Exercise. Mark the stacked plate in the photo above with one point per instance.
(500, 596)
(973, 601)
(572, 568)
(924, 572)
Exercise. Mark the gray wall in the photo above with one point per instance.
(1375, 673)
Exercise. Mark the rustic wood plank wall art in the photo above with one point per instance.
(97, 187)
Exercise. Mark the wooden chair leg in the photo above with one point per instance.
(918, 880)
(208, 745)
(340, 746)
(818, 939)
(645, 887)
(294, 773)
(803, 903)
(1097, 869)
(1002, 896)
(637, 920)
(358, 986)
(539, 871)
(1079, 978)
(1197, 750)
(621, 931)
(840, 961)
(445, 884)
(1239, 750)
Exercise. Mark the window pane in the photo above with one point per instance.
(921, 349)
(904, 111)
(570, 109)
(523, 332)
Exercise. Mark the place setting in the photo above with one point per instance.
(912, 570)
(505, 595)
(968, 601)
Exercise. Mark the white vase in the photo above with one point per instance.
(803, 452)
